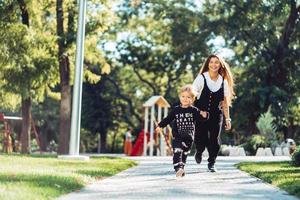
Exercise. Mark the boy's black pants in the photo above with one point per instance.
(181, 148)
(208, 135)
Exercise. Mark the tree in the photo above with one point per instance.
(26, 59)
(42, 26)
(64, 39)
(164, 45)
(161, 53)
(98, 111)
(95, 26)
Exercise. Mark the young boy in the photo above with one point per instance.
(185, 116)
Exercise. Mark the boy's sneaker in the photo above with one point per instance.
(211, 167)
(198, 157)
(183, 171)
(180, 172)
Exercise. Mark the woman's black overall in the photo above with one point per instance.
(208, 132)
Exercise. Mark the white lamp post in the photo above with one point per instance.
(77, 88)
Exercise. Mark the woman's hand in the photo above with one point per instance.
(203, 114)
(225, 107)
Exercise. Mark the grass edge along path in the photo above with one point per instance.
(46, 177)
(279, 174)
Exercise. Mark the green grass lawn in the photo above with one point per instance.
(280, 174)
(37, 177)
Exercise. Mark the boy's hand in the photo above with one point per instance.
(158, 129)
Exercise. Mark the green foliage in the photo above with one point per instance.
(52, 147)
(157, 52)
(1, 137)
(253, 143)
(28, 55)
(267, 52)
(88, 141)
(27, 60)
(160, 46)
(164, 50)
(10, 101)
(115, 140)
(45, 115)
(266, 126)
(295, 113)
(34, 146)
(296, 157)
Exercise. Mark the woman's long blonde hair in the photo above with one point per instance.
(224, 71)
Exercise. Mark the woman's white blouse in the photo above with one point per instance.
(213, 86)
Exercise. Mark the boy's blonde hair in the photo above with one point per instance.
(188, 88)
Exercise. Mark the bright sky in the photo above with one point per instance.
(219, 47)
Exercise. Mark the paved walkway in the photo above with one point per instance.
(154, 178)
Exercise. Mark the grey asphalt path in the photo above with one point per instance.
(154, 178)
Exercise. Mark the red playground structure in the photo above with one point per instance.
(156, 107)
(138, 147)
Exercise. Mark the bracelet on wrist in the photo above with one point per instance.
(228, 120)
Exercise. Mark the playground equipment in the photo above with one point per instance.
(7, 139)
(156, 103)
(138, 147)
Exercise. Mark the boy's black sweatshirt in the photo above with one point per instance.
(184, 120)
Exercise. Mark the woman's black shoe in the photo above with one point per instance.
(211, 167)
(198, 157)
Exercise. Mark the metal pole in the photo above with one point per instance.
(146, 129)
(165, 129)
(161, 137)
(77, 89)
(152, 131)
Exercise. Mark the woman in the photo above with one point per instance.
(214, 89)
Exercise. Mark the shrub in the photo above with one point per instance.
(267, 127)
(296, 157)
(52, 147)
(34, 145)
(253, 143)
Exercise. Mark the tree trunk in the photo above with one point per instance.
(64, 69)
(65, 107)
(281, 77)
(99, 144)
(43, 140)
(283, 45)
(24, 12)
(103, 143)
(26, 102)
(291, 132)
(113, 143)
(26, 128)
